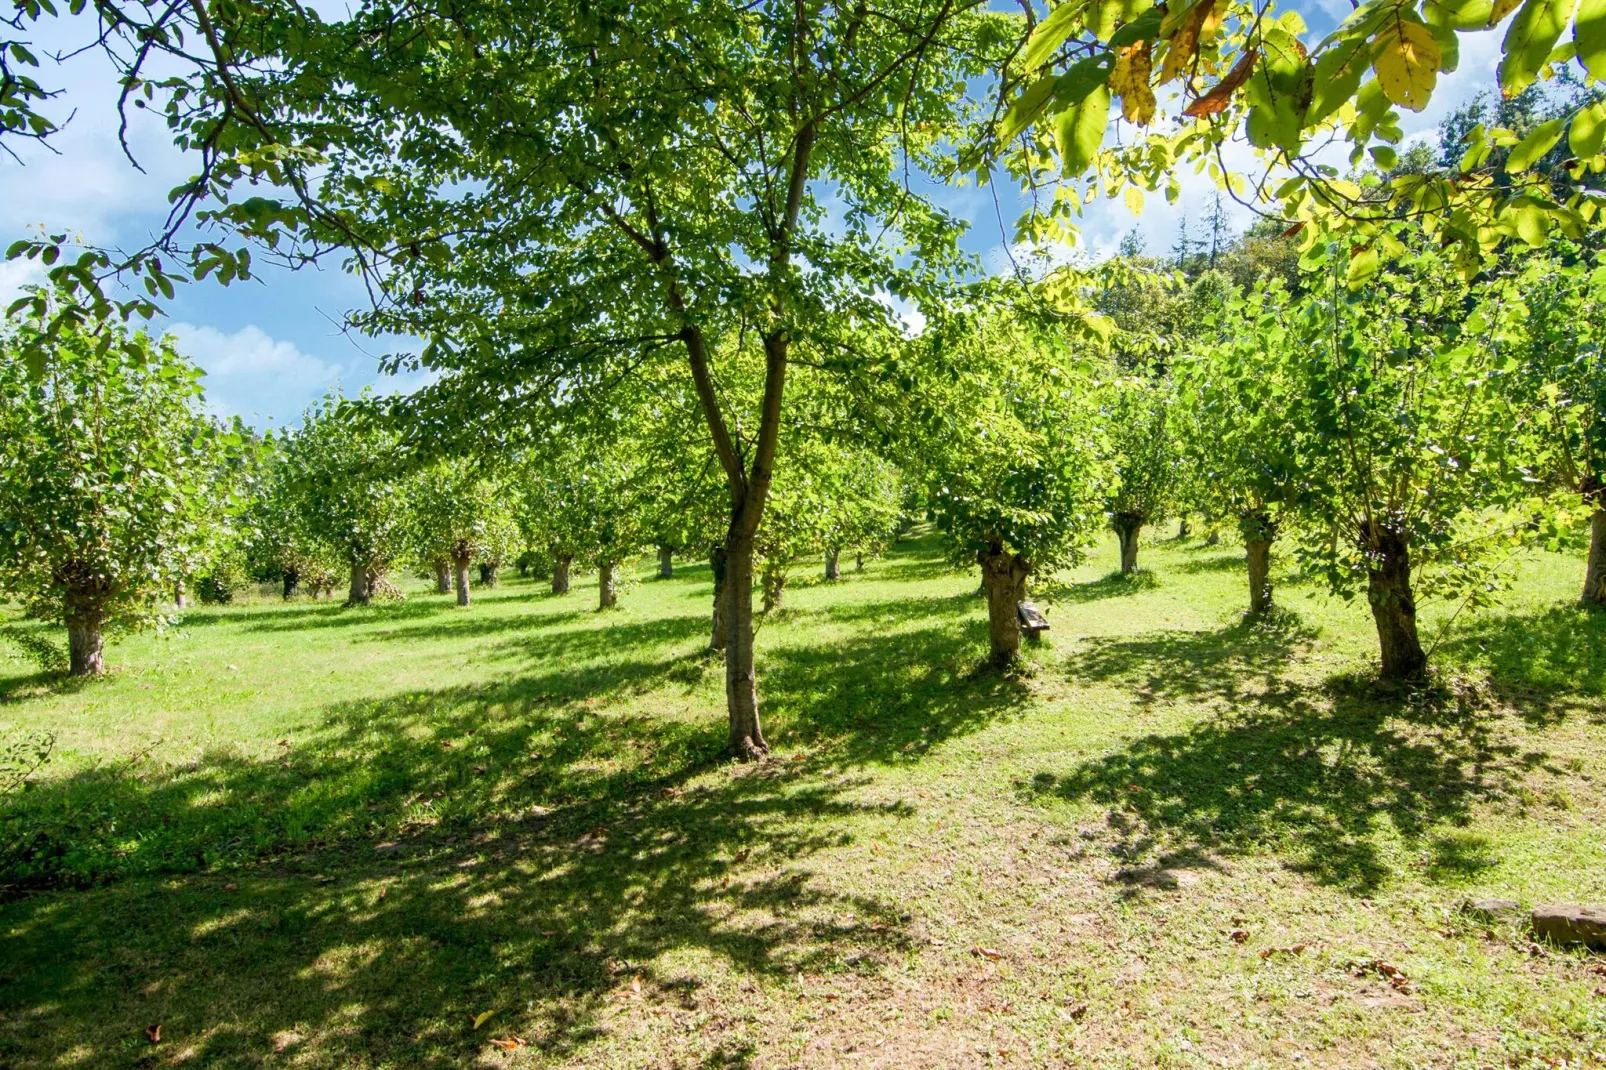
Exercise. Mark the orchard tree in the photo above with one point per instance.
(1237, 399)
(1560, 387)
(1404, 439)
(278, 541)
(1143, 455)
(1006, 435)
(107, 475)
(353, 490)
(460, 516)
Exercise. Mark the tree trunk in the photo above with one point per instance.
(1259, 553)
(607, 584)
(716, 565)
(360, 592)
(858, 562)
(460, 574)
(1003, 576)
(774, 583)
(741, 682)
(1214, 538)
(85, 618)
(1595, 571)
(1393, 607)
(291, 579)
(443, 576)
(832, 572)
(178, 594)
(487, 574)
(1182, 529)
(666, 562)
(560, 574)
(1127, 526)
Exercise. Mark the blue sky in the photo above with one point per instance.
(273, 346)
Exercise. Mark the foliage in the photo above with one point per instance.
(1143, 448)
(1004, 435)
(350, 485)
(1400, 423)
(1237, 397)
(108, 472)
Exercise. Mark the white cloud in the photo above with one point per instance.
(249, 373)
(14, 275)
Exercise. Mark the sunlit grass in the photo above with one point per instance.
(293, 832)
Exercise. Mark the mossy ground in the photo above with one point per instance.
(297, 834)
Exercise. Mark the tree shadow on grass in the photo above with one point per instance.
(1112, 585)
(1545, 662)
(1323, 780)
(1247, 657)
(887, 697)
(411, 863)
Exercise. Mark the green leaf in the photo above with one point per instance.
(1027, 107)
(1362, 266)
(1079, 130)
(1146, 27)
(1385, 157)
(1533, 33)
(1589, 35)
(1051, 33)
(1457, 14)
(1338, 75)
(1276, 112)
(1540, 140)
(1588, 130)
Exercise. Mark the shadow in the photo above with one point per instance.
(1217, 560)
(1546, 662)
(1245, 658)
(1113, 585)
(414, 861)
(887, 697)
(1328, 781)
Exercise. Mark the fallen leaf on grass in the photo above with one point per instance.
(635, 984)
(1074, 1014)
(1239, 935)
(480, 1018)
(154, 1033)
(741, 856)
(507, 1043)
(987, 953)
(1293, 949)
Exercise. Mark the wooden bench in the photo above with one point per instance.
(1032, 621)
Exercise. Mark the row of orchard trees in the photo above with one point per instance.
(119, 495)
(1405, 434)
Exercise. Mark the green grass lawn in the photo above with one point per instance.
(297, 834)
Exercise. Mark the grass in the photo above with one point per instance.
(296, 834)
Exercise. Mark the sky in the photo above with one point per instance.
(273, 346)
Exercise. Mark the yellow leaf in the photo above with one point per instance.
(480, 1018)
(1130, 79)
(1183, 45)
(1406, 59)
(1134, 200)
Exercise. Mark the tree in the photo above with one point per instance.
(1560, 388)
(353, 490)
(1006, 437)
(460, 516)
(106, 474)
(1406, 448)
(1237, 399)
(1143, 456)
